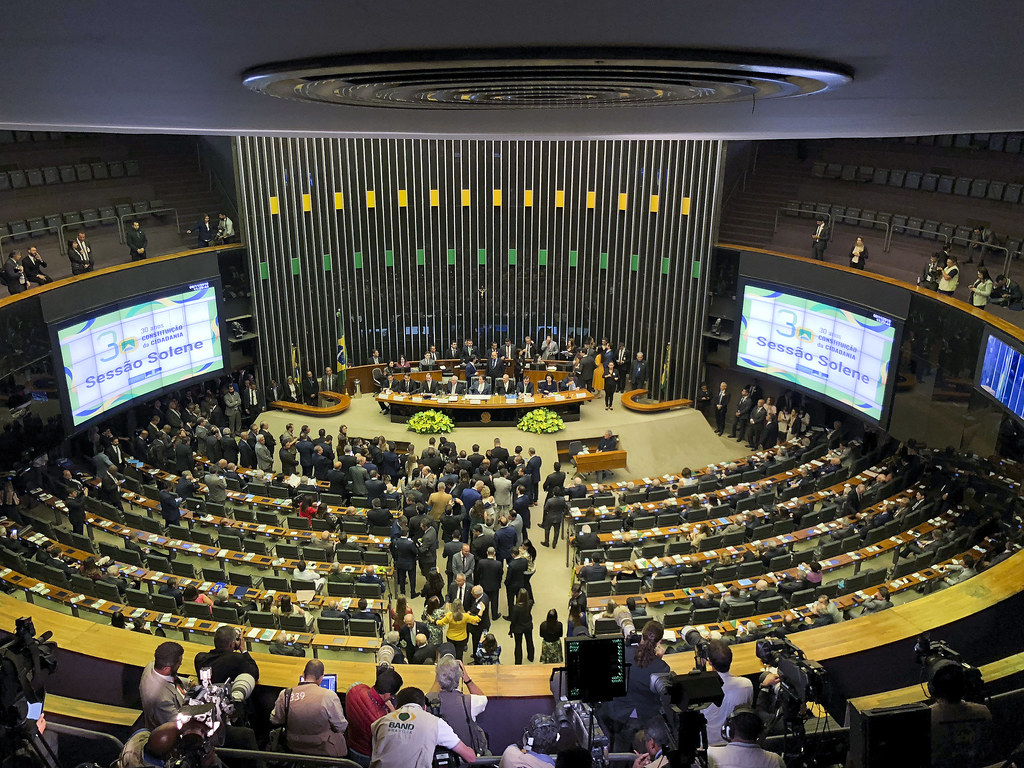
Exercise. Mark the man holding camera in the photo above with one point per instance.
(229, 657)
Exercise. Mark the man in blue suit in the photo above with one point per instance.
(638, 371)
(533, 464)
(480, 386)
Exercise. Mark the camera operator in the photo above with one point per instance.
(736, 691)
(407, 737)
(312, 716)
(959, 728)
(229, 657)
(163, 695)
(146, 749)
(459, 710)
(539, 740)
(742, 750)
(623, 716)
(655, 739)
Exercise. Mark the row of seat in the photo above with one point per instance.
(68, 174)
(964, 186)
(25, 137)
(51, 223)
(1011, 143)
(912, 226)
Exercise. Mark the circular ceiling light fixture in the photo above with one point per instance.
(539, 78)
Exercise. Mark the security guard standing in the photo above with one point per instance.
(407, 737)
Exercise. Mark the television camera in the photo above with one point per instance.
(209, 709)
(933, 655)
(25, 663)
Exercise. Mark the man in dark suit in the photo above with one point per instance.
(595, 571)
(480, 386)
(274, 392)
(498, 453)
(169, 509)
(489, 572)
(554, 483)
(228, 446)
(252, 405)
(743, 409)
(587, 367)
(756, 425)
(555, 509)
(329, 381)
(246, 452)
(529, 351)
(505, 386)
(622, 361)
(310, 389)
(480, 606)
(515, 577)
(533, 464)
(468, 351)
(186, 487)
(495, 369)
(110, 487)
(770, 433)
(525, 386)
(454, 386)
(430, 387)
(407, 385)
(321, 463)
(638, 372)
(586, 540)
(721, 404)
(459, 591)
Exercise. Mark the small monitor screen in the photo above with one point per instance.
(1001, 374)
(595, 668)
(330, 682)
(818, 344)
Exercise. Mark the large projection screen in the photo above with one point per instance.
(138, 347)
(818, 344)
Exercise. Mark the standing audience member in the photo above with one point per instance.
(551, 633)
(521, 625)
(623, 716)
(460, 710)
(737, 691)
(858, 254)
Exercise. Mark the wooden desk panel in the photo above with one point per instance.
(600, 461)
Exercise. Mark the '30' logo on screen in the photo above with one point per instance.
(787, 327)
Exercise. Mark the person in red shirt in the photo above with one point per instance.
(363, 706)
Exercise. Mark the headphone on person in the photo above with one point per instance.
(741, 713)
(543, 730)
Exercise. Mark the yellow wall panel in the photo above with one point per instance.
(465, 198)
(559, 198)
(654, 203)
(435, 198)
(623, 199)
(275, 206)
(591, 199)
(339, 201)
(497, 198)
(403, 198)
(686, 207)
(371, 199)
(527, 198)
(307, 203)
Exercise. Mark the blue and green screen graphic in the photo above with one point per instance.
(125, 353)
(836, 352)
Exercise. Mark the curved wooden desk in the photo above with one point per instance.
(630, 403)
(495, 409)
(341, 403)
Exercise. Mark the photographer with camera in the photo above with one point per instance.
(408, 737)
(739, 749)
(736, 691)
(165, 696)
(622, 716)
(459, 710)
(539, 741)
(146, 749)
(313, 719)
(229, 658)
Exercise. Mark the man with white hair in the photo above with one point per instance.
(586, 540)
(459, 710)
